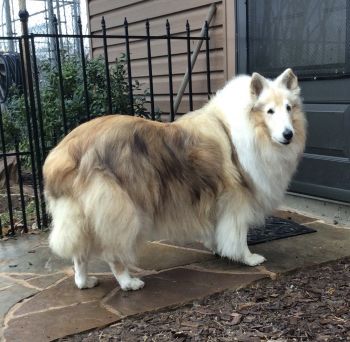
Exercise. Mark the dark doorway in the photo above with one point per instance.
(313, 38)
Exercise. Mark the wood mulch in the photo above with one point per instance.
(309, 305)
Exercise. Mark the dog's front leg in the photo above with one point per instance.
(231, 239)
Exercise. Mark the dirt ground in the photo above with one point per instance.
(310, 305)
(28, 193)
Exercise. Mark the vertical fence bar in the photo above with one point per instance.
(32, 106)
(20, 183)
(189, 67)
(108, 79)
(55, 138)
(38, 99)
(247, 38)
(83, 65)
(207, 56)
(29, 82)
(1, 234)
(150, 73)
(170, 69)
(128, 60)
(60, 76)
(30, 137)
(7, 176)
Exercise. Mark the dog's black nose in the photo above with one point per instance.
(288, 134)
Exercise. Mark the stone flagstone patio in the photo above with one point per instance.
(39, 301)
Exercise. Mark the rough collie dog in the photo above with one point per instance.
(117, 181)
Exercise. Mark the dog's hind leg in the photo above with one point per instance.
(123, 277)
(81, 277)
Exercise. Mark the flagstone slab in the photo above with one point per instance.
(45, 281)
(294, 216)
(39, 260)
(327, 244)
(23, 276)
(224, 265)
(191, 245)
(16, 247)
(5, 282)
(66, 293)
(329, 227)
(176, 287)
(53, 324)
(11, 296)
(158, 256)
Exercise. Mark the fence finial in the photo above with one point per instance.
(206, 27)
(80, 27)
(55, 24)
(167, 25)
(23, 15)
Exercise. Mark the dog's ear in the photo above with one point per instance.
(289, 80)
(257, 84)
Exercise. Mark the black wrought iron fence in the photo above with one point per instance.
(46, 102)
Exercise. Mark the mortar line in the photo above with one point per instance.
(183, 248)
(52, 308)
(22, 282)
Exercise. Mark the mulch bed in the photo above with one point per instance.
(28, 193)
(310, 305)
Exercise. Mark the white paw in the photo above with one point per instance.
(132, 284)
(254, 259)
(89, 283)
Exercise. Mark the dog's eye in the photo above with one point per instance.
(270, 111)
(289, 108)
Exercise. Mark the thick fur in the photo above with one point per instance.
(119, 180)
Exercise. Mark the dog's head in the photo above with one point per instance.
(276, 106)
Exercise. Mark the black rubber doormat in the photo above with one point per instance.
(276, 228)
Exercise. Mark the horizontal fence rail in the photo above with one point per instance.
(55, 91)
(117, 36)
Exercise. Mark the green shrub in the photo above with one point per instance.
(14, 117)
